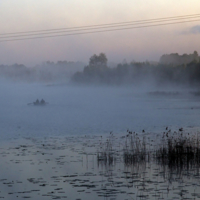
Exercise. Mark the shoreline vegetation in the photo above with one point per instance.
(177, 150)
(172, 69)
(171, 158)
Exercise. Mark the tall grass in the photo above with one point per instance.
(105, 153)
(175, 150)
(135, 149)
(179, 150)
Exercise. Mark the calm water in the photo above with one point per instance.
(80, 110)
(57, 160)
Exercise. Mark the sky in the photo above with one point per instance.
(133, 44)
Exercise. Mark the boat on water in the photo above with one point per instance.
(39, 103)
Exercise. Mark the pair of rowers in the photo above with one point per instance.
(37, 102)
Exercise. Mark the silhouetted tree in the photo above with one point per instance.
(98, 60)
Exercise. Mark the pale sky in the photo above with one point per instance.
(134, 44)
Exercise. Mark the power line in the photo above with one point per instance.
(95, 27)
(103, 28)
(110, 24)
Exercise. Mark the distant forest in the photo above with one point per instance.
(172, 68)
(46, 72)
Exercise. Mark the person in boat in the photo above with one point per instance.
(37, 101)
(42, 101)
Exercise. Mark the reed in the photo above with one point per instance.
(175, 150)
(135, 149)
(179, 150)
(106, 153)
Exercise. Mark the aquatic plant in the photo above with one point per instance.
(105, 153)
(179, 150)
(175, 152)
(135, 149)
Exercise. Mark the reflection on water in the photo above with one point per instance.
(92, 167)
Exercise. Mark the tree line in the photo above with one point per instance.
(172, 68)
(47, 72)
(177, 70)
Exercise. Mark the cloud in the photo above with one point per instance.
(193, 30)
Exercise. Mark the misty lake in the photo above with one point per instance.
(87, 110)
(51, 151)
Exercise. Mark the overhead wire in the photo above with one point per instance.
(77, 29)
(97, 28)
(110, 24)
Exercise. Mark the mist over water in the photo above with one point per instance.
(91, 110)
(55, 151)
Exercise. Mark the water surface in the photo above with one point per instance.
(91, 110)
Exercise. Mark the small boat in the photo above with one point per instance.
(39, 103)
